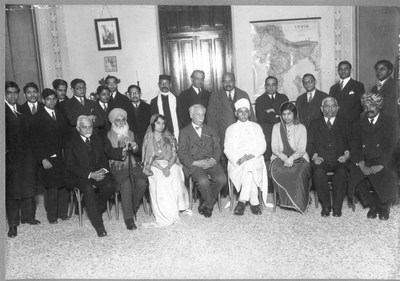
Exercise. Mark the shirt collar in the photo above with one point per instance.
(11, 106)
(49, 111)
(375, 119)
(197, 90)
(232, 92)
(30, 104)
(79, 98)
(331, 118)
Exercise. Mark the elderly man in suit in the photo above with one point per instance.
(328, 144)
(348, 93)
(195, 94)
(267, 110)
(141, 115)
(20, 177)
(309, 104)
(88, 165)
(167, 104)
(199, 151)
(61, 87)
(371, 148)
(48, 143)
(246, 167)
(119, 147)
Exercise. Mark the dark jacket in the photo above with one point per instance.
(188, 98)
(309, 111)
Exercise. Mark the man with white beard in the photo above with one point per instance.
(131, 182)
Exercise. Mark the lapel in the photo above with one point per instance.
(194, 136)
(225, 101)
(10, 113)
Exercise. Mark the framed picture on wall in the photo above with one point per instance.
(110, 64)
(107, 33)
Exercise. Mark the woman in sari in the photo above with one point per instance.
(290, 168)
(166, 180)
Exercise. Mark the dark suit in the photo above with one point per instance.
(191, 148)
(267, 120)
(373, 144)
(25, 109)
(141, 121)
(20, 164)
(167, 110)
(329, 144)
(104, 115)
(81, 162)
(308, 111)
(188, 98)
(349, 99)
(48, 143)
(60, 104)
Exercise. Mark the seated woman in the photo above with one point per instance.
(290, 168)
(166, 180)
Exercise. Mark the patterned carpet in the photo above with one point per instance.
(281, 244)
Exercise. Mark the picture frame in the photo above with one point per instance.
(107, 34)
(110, 64)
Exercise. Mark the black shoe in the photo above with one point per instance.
(12, 232)
(53, 221)
(130, 224)
(372, 213)
(325, 212)
(337, 212)
(383, 214)
(201, 208)
(101, 232)
(207, 212)
(255, 209)
(32, 221)
(64, 218)
(239, 210)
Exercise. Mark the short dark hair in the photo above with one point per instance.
(59, 82)
(30, 85)
(271, 77)
(387, 63)
(48, 92)
(11, 84)
(101, 88)
(112, 77)
(197, 70)
(134, 86)
(344, 62)
(309, 74)
(155, 120)
(289, 106)
(77, 81)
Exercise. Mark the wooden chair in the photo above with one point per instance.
(191, 196)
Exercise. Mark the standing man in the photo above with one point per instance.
(199, 151)
(104, 105)
(328, 143)
(141, 115)
(309, 104)
(348, 93)
(60, 86)
(371, 148)
(20, 177)
(31, 106)
(196, 94)
(268, 110)
(119, 147)
(88, 165)
(166, 103)
(48, 146)
(244, 146)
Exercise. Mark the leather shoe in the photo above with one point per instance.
(383, 214)
(255, 209)
(207, 212)
(12, 232)
(53, 221)
(239, 209)
(325, 212)
(130, 224)
(373, 211)
(32, 221)
(101, 232)
(337, 212)
(64, 218)
(201, 208)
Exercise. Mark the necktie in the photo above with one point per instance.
(379, 86)
(271, 97)
(33, 109)
(88, 144)
(341, 85)
(230, 96)
(53, 115)
(199, 92)
(371, 121)
(82, 101)
(309, 97)
(329, 123)
(15, 110)
(105, 106)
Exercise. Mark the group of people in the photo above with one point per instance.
(118, 142)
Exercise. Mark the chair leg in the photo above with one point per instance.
(116, 206)
(190, 193)
(71, 205)
(146, 210)
(353, 205)
(79, 197)
(275, 201)
(316, 199)
(219, 202)
(108, 209)
(230, 194)
(260, 199)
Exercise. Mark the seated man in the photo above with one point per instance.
(199, 151)
(328, 145)
(371, 147)
(244, 147)
(119, 147)
(88, 166)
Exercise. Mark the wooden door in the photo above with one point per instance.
(196, 38)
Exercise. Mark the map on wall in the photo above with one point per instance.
(286, 49)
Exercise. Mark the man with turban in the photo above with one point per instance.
(371, 146)
(131, 182)
(244, 147)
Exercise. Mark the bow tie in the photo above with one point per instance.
(198, 127)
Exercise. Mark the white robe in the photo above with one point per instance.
(246, 138)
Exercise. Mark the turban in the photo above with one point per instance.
(374, 98)
(48, 92)
(242, 103)
(164, 77)
(115, 113)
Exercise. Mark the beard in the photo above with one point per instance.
(121, 131)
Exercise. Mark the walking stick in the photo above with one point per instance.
(130, 169)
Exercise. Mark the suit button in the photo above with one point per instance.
(363, 146)
(377, 145)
